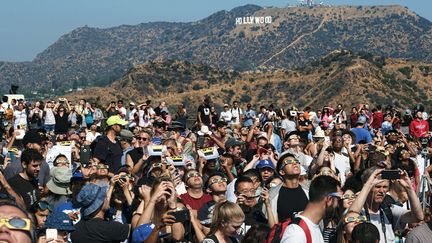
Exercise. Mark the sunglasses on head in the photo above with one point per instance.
(44, 205)
(16, 223)
(357, 219)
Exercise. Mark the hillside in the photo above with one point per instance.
(339, 77)
(297, 35)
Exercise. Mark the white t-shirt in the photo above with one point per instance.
(49, 117)
(342, 163)
(122, 112)
(226, 116)
(90, 136)
(288, 125)
(294, 233)
(131, 118)
(375, 219)
(236, 113)
(20, 118)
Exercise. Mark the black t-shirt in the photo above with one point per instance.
(304, 134)
(136, 154)
(98, 230)
(62, 123)
(290, 201)
(254, 215)
(28, 190)
(111, 112)
(205, 213)
(205, 114)
(109, 153)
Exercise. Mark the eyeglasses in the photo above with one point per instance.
(392, 134)
(16, 223)
(217, 180)
(250, 192)
(356, 219)
(102, 167)
(44, 205)
(62, 162)
(335, 195)
(193, 174)
(291, 161)
(348, 196)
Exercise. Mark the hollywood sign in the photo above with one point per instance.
(254, 20)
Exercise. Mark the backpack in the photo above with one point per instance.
(9, 114)
(278, 230)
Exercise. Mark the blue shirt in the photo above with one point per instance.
(361, 134)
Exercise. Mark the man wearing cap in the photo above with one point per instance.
(266, 169)
(59, 221)
(361, 133)
(94, 201)
(125, 139)
(32, 140)
(225, 115)
(107, 149)
(186, 143)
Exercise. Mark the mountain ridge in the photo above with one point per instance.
(90, 56)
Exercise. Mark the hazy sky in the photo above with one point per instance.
(27, 27)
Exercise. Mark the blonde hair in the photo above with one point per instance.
(224, 212)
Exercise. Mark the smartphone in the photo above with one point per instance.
(180, 215)
(200, 142)
(390, 174)
(51, 234)
(85, 154)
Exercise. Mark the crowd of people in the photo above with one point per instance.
(75, 172)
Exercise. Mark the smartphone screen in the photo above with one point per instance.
(51, 234)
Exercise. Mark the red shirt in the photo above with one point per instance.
(195, 203)
(378, 119)
(418, 128)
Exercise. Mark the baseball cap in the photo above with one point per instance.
(113, 120)
(265, 163)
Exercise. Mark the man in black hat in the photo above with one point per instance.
(32, 140)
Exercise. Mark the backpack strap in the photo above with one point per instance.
(300, 222)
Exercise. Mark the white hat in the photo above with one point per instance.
(319, 134)
(204, 131)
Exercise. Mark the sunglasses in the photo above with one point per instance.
(217, 180)
(141, 138)
(291, 161)
(335, 195)
(348, 196)
(293, 137)
(392, 134)
(193, 174)
(357, 219)
(16, 223)
(63, 162)
(102, 167)
(129, 178)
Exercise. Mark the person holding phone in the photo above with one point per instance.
(252, 202)
(370, 200)
(163, 199)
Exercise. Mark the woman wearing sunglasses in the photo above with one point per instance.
(347, 224)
